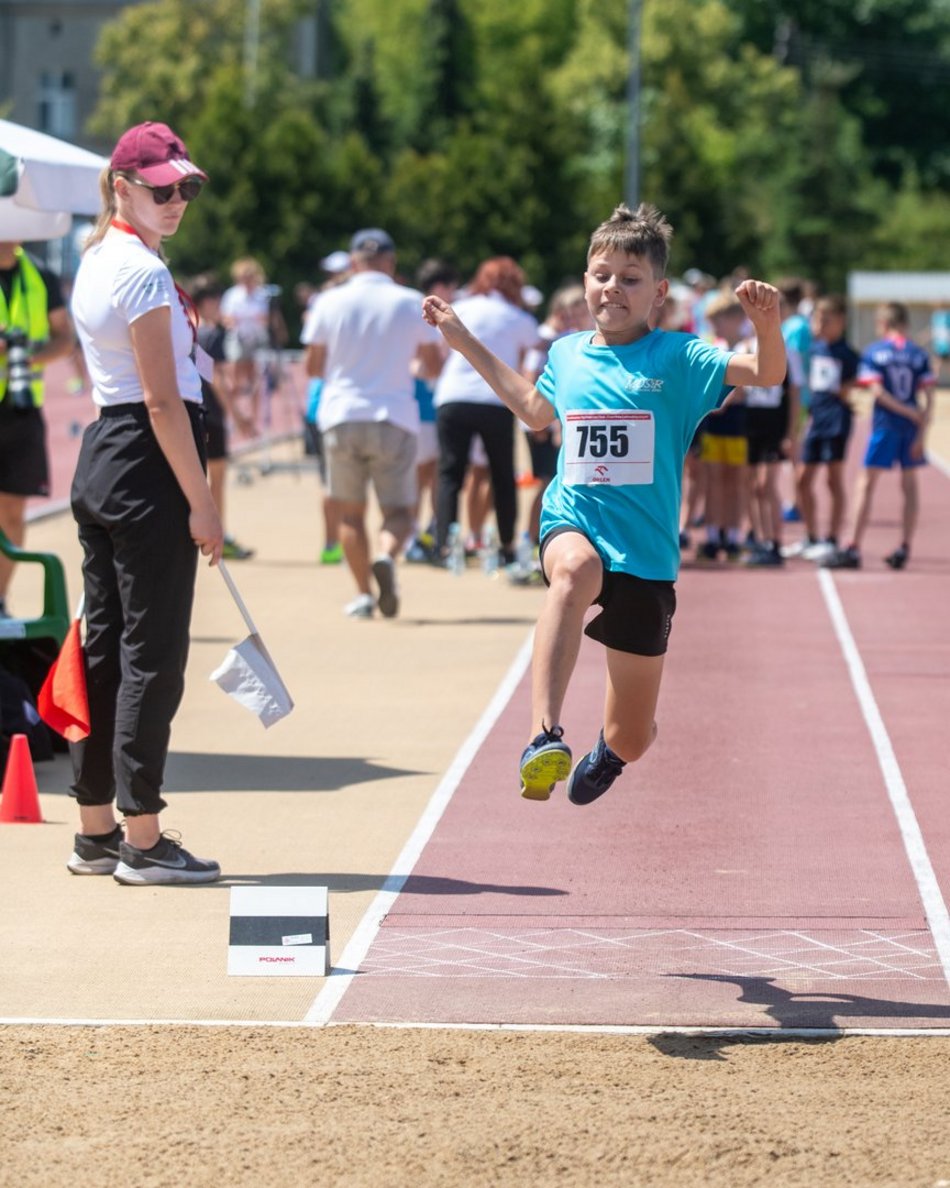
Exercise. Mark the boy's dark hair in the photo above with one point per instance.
(895, 315)
(203, 286)
(435, 272)
(833, 303)
(640, 232)
(792, 290)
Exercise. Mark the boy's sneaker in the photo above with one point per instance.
(95, 856)
(232, 551)
(797, 548)
(384, 571)
(898, 559)
(544, 761)
(166, 862)
(791, 514)
(331, 555)
(820, 551)
(594, 774)
(848, 558)
(360, 608)
(766, 556)
(707, 552)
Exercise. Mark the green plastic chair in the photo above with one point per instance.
(54, 622)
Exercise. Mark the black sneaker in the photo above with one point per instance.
(767, 556)
(898, 559)
(384, 571)
(544, 761)
(594, 774)
(707, 552)
(91, 857)
(166, 862)
(848, 558)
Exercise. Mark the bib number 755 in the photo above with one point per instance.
(602, 441)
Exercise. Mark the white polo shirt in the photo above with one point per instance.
(118, 281)
(371, 329)
(507, 331)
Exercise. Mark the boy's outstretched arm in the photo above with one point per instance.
(767, 366)
(518, 393)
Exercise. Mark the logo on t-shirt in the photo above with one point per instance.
(643, 383)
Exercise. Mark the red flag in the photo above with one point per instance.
(62, 701)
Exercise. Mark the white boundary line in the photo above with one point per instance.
(939, 463)
(934, 907)
(351, 958)
(775, 1033)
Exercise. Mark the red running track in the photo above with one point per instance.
(750, 872)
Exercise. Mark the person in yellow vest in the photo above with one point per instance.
(34, 330)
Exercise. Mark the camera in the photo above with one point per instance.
(19, 371)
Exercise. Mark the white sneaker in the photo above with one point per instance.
(360, 608)
(796, 549)
(820, 551)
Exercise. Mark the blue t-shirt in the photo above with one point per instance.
(797, 334)
(424, 393)
(831, 366)
(901, 367)
(627, 414)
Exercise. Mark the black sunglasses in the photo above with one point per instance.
(188, 189)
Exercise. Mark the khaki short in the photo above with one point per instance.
(376, 452)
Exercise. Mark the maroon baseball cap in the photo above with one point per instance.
(155, 153)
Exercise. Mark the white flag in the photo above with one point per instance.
(247, 674)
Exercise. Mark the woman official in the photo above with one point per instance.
(143, 507)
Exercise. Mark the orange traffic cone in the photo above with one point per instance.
(21, 800)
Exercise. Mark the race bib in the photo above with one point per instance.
(825, 375)
(613, 449)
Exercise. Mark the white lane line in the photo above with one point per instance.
(652, 1029)
(328, 999)
(940, 463)
(929, 889)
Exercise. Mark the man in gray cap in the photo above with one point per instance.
(361, 338)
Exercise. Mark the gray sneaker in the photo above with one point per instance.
(91, 857)
(166, 862)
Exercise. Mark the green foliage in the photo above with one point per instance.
(782, 135)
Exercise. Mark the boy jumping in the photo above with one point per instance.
(629, 398)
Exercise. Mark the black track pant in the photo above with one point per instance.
(139, 572)
(457, 424)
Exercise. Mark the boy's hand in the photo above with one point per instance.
(440, 314)
(759, 300)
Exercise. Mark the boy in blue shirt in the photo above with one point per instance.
(832, 369)
(896, 371)
(629, 398)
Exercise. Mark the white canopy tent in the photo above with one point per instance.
(54, 180)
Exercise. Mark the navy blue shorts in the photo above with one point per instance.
(818, 448)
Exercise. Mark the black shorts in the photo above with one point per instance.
(637, 613)
(766, 430)
(215, 427)
(543, 453)
(818, 448)
(24, 466)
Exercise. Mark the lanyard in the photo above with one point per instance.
(189, 308)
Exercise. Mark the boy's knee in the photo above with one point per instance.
(577, 571)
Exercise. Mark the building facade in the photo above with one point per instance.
(48, 78)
